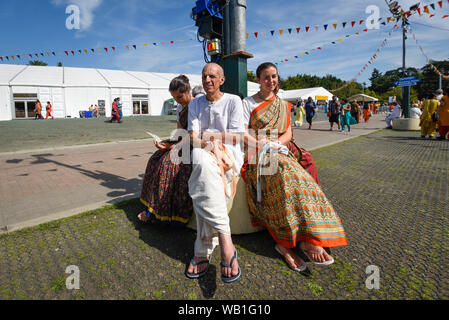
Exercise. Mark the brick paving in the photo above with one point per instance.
(389, 188)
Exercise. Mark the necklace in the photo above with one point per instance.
(259, 96)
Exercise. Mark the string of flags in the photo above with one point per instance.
(86, 51)
(371, 61)
(383, 21)
(306, 29)
(434, 68)
(308, 52)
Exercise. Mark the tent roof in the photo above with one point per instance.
(362, 98)
(305, 93)
(83, 77)
(8, 72)
(43, 76)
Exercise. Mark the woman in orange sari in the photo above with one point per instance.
(366, 111)
(288, 202)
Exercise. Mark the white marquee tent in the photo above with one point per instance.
(318, 93)
(71, 90)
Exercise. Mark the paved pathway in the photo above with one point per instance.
(44, 185)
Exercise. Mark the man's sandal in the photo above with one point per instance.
(197, 275)
(225, 265)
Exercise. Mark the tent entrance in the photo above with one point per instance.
(140, 105)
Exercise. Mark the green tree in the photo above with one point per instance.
(251, 76)
(37, 63)
(59, 64)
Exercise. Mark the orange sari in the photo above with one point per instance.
(293, 207)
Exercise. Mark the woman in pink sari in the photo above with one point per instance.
(288, 201)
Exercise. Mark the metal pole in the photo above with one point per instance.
(440, 83)
(405, 90)
(238, 23)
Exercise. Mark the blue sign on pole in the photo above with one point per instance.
(405, 82)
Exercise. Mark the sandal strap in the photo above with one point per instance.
(199, 262)
(230, 263)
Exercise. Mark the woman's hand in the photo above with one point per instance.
(162, 145)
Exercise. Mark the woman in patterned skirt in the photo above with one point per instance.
(288, 202)
(165, 191)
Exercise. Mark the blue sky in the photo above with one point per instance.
(30, 26)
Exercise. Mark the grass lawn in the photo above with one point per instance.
(38, 134)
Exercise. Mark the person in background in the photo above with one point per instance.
(119, 106)
(443, 116)
(97, 111)
(355, 111)
(366, 112)
(198, 91)
(439, 94)
(415, 112)
(345, 117)
(300, 113)
(334, 109)
(49, 111)
(115, 112)
(38, 110)
(311, 109)
(427, 123)
(396, 113)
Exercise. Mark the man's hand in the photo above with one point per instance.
(163, 145)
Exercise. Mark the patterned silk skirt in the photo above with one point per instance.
(165, 190)
(293, 207)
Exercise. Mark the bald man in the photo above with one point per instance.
(216, 115)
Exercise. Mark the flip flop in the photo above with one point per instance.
(297, 269)
(197, 275)
(225, 265)
(322, 264)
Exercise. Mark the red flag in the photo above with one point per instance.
(440, 3)
(432, 15)
(366, 30)
(106, 49)
(319, 48)
(307, 29)
(286, 59)
(353, 23)
(66, 52)
(73, 52)
(445, 16)
(30, 55)
(419, 11)
(256, 33)
(357, 33)
(172, 42)
(297, 30)
(361, 21)
(36, 55)
(113, 48)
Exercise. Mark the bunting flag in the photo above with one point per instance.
(370, 62)
(306, 53)
(446, 77)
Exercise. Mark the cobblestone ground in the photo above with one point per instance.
(389, 188)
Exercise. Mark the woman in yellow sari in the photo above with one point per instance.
(288, 202)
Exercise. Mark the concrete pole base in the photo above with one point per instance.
(407, 124)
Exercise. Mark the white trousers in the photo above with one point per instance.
(209, 201)
(389, 120)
